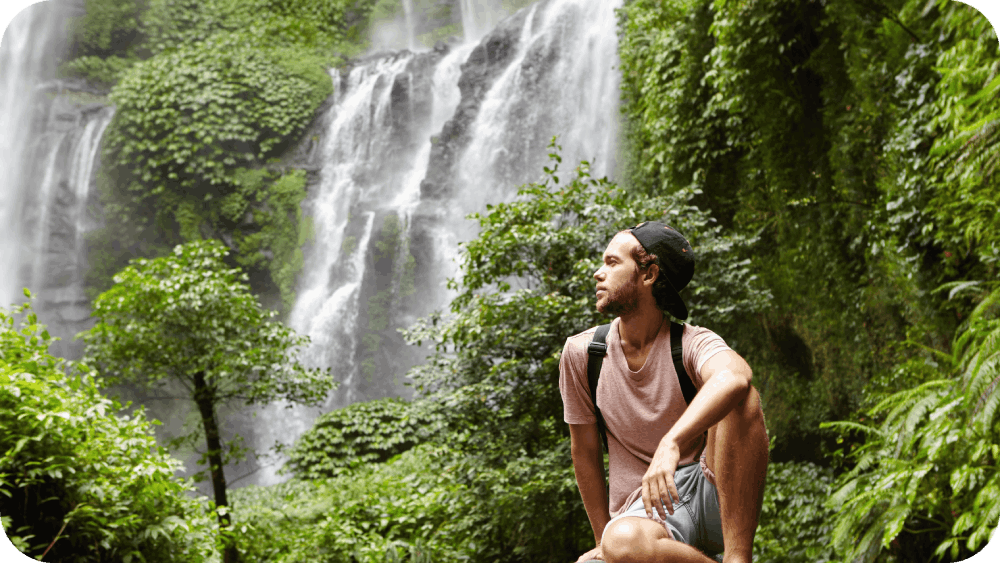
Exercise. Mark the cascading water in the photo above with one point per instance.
(414, 143)
(478, 17)
(50, 134)
(409, 23)
(59, 266)
(30, 43)
(374, 158)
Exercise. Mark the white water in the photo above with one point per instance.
(479, 17)
(63, 279)
(409, 23)
(357, 147)
(29, 44)
(561, 81)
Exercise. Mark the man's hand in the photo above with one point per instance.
(658, 489)
(592, 554)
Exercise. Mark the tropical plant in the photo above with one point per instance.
(795, 523)
(926, 479)
(189, 319)
(361, 434)
(526, 284)
(81, 476)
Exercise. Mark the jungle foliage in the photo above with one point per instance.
(188, 319)
(834, 164)
(857, 141)
(211, 99)
(81, 478)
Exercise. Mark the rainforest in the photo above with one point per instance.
(289, 280)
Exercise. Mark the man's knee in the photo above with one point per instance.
(629, 537)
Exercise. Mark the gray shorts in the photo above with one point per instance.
(696, 520)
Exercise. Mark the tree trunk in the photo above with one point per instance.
(204, 396)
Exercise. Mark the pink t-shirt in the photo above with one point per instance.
(639, 407)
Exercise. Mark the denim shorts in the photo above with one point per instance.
(696, 520)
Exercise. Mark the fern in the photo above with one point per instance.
(930, 457)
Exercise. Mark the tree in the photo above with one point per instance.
(190, 319)
(526, 284)
(80, 479)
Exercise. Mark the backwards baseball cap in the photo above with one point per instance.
(675, 258)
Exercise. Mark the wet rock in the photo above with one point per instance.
(486, 62)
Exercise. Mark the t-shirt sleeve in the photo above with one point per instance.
(578, 408)
(700, 344)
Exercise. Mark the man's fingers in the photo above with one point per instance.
(673, 489)
(668, 498)
(592, 554)
(647, 500)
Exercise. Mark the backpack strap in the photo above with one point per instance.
(595, 359)
(598, 348)
(677, 351)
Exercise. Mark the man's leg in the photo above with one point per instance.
(737, 453)
(641, 540)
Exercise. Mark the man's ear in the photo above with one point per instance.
(652, 272)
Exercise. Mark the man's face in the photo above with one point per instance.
(618, 278)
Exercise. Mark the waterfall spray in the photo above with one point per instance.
(30, 43)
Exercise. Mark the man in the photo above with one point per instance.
(686, 481)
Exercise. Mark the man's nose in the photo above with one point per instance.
(599, 273)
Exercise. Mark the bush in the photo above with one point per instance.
(795, 524)
(359, 435)
(430, 503)
(99, 71)
(81, 480)
(188, 117)
(409, 509)
(926, 478)
(108, 27)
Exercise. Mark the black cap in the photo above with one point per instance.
(675, 258)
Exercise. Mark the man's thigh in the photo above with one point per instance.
(695, 520)
(752, 413)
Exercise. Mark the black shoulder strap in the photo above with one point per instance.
(598, 348)
(677, 351)
(596, 351)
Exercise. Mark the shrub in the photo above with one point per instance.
(359, 435)
(926, 478)
(80, 479)
(795, 524)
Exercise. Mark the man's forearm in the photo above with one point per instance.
(713, 402)
(588, 465)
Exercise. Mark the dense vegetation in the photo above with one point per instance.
(834, 164)
(188, 319)
(81, 479)
(857, 141)
(211, 99)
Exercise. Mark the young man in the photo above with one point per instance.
(686, 481)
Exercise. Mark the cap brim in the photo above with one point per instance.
(675, 305)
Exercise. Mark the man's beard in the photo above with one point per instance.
(623, 300)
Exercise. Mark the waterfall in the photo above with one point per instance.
(375, 155)
(413, 143)
(358, 135)
(30, 43)
(409, 23)
(478, 17)
(558, 84)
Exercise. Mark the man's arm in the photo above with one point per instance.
(726, 382)
(588, 464)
